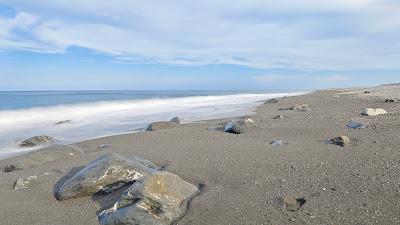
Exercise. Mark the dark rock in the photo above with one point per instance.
(161, 125)
(356, 125)
(105, 174)
(367, 92)
(271, 101)
(239, 126)
(37, 140)
(159, 199)
(40, 157)
(391, 100)
(341, 141)
(175, 120)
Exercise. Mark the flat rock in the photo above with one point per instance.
(162, 125)
(36, 141)
(40, 157)
(356, 125)
(271, 101)
(104, 175)
(341, 141)
(27, 182)
(159, 199)
(373, 112)
(63, 121)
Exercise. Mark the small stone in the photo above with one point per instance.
(367, 92)
(341, 141)
(298, 108)
(391, 100)
(64, 121)
(276, 143)
(279, 117)
(104, 175)
(373, 112)
(234, 127)
(290, 203)
(356, 125)
(159, 199)
(271, 101)
(23, 183)
(37, 140)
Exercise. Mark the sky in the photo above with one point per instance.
(198, 45)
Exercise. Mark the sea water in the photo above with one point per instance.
(72, 116)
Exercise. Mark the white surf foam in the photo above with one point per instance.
(97, 119)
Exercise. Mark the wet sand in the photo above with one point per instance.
(243, 175)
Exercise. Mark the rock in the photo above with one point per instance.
(64, 121)
(279, 117)
(277, 143)
(356, 125)
(239, 126)
(367, 92)
(37, 140)
(290, 203)
(175, 120)
(40, 157)
(373, 112)
(159, 199)
(271, 101)
(104, 175)
(23, 183)
(391, 100)
(27, 182)
(341, 141)
(161, 125)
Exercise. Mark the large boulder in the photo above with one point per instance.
(175, 120)
(105, 174)
(239, 126)
(36, 141)
(159, 199)
(40, 157)
(373, 112)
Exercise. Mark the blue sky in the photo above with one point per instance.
(248, 44)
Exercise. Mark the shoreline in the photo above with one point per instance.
(243, 174)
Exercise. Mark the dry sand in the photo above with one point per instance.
(243, 175)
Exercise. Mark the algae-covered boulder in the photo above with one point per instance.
(159, 199)
(105, 174)
(36, 141)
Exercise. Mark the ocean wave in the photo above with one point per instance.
(95, 119)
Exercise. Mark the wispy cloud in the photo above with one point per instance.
(310, 34)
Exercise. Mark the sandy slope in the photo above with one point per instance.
(243, 175)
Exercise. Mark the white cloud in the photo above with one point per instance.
(311, 34)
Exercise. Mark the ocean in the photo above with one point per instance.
(93, 114)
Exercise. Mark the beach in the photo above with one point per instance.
(242, 176)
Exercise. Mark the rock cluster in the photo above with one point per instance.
(271, 101)
(37, 140)
(153, 198)
(373, 112)
(298, 108)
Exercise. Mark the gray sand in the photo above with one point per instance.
(243, 175)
